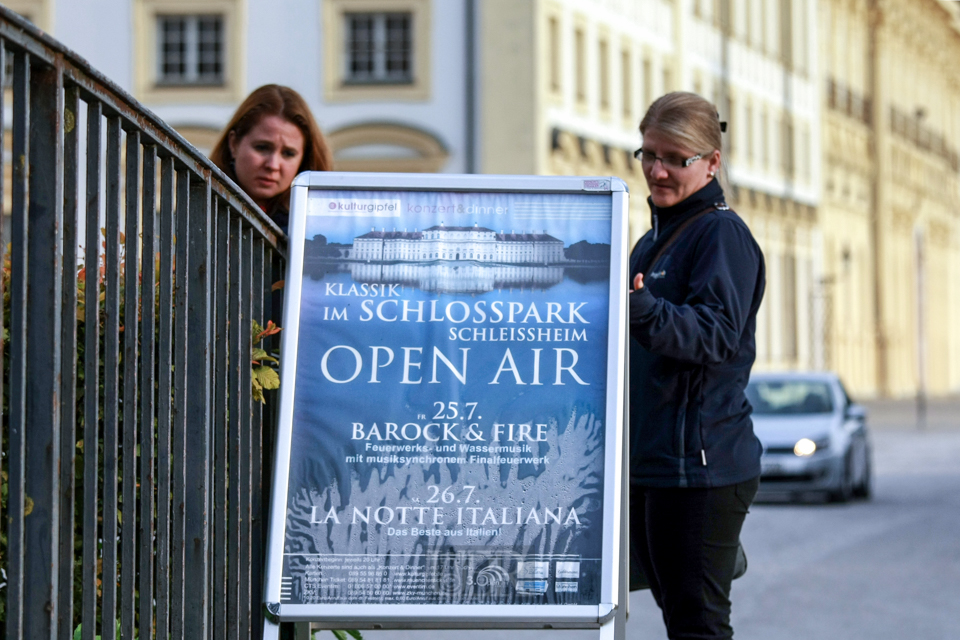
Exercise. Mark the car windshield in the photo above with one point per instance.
(789, 397)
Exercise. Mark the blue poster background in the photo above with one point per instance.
(450, 409)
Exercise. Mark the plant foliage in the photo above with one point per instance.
(264, 376)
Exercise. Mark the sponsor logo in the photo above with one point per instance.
(532, 586)
(533, 570)
(358, 207)
(493, 577)
(568, 570)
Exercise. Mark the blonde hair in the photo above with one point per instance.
(691, 120)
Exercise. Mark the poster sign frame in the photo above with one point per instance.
(454, 615)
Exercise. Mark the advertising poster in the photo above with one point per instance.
(450, 417)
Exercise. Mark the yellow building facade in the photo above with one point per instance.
(841, 153)
(890, 211)
(582, 74)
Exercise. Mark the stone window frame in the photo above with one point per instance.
(149, 87)
(339, 88)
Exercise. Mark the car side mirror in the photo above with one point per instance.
(855, 412)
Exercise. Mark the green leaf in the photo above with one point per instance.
(267, 377)
(257, 392)
(261, 354)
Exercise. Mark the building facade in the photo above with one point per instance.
(841, 148)
(474, 244)
(891, 197)
(583, 74)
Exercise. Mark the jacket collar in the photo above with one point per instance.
(663, 217)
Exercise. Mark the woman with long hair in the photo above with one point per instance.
(269, 140)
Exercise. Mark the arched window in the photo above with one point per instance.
(387, 147)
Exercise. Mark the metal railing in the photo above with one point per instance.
(133, 453)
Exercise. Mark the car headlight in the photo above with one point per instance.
(807, 447)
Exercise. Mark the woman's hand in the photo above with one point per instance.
(637, 283)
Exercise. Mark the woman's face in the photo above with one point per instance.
(267, 158)
(669, 181)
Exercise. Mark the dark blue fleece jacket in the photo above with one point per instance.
(692, 345)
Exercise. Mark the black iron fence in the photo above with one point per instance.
(133, 454)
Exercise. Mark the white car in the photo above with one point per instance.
(814, 437)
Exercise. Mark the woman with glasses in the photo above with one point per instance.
(697, 279)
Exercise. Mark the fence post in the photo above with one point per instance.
(197, 485)
(131, 346)
(42, 435)
(19, 232)
(68, 358)
(91, 427)
(111, 380)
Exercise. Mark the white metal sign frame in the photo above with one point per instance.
(454, 616)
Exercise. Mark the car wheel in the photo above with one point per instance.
(864, 488)
(844, 490)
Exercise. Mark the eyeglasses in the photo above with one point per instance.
(669, 161)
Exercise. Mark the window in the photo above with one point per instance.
(787, 146)
(774, 33)
(647, 84)
(763, 40)
(800, 46)
(732, 126)
(725, 17)
(379, 48)
(789, 396)
(626, 89)
(604, 53)
(191, 50)
(764, 141)
(376, 50)
(789, 284)
(580, 52)
(554, 35)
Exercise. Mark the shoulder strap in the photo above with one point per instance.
(680, 229)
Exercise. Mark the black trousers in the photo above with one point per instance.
(686, 541)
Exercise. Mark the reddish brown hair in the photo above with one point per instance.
(274, 100)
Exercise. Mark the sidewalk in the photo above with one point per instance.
(942, 414)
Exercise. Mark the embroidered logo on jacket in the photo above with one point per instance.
(656, 275)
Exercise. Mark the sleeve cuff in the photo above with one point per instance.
(641, 303)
